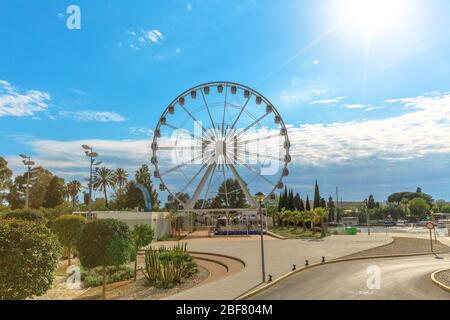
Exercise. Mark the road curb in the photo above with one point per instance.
(437, 282)
(291, 273)
(274, 235)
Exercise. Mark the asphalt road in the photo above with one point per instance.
(400, 278)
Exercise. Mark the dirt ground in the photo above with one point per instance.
(403, 246)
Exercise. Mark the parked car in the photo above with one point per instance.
(389, 223)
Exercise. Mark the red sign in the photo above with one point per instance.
(430, 225)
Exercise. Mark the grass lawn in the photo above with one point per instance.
(295, 233)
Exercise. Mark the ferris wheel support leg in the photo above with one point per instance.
(198, 190)
(243, 186)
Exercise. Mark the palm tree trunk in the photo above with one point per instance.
(135, 264)
(106, 197)
(69, 254)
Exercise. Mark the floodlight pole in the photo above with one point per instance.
(90, 189)
(91, 154)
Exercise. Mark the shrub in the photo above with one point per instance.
(68, 228)
(105, 242)
(142, 236)
(94, 277)
(165, 268)
(29, 254)
(26, 214)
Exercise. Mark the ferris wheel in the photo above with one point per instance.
(218, 143)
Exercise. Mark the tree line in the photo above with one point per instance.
(47, 190)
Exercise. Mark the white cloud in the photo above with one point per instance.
(188, 6)
(15, 103)
(100, 116)
(423, 131)
(141, 131)
(154, 36)
(328, 101)
(354, 106)
(67, 159)
(297, 93)
(375, 108)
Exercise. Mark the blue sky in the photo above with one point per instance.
(365, 90)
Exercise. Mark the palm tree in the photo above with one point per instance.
(296, 218)
(120, 178)
(103, 179)
(73, 189)
(302, 218)
(320, 215)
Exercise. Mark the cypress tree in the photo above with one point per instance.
(297, 200)
(280, 202)
(316, 203)
(307, 205)
(291, 204)
(330, 206)
(302, 205)
(285, 198)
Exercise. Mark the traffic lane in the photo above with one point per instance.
(400, 278)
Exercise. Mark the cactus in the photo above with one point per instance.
(167, 267)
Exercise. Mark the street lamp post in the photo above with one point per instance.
(367, 217)
(27, 161)
(92, 155)
(260, 198)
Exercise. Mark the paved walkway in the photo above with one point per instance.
(400, 279)
(280, 256)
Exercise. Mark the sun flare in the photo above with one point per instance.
(370, 15)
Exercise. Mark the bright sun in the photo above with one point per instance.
(370, 15)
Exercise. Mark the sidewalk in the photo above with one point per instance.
(280, 255)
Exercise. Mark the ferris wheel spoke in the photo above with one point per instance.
(240, 113)
(182, 165)
(260, 138)
(209, 112)
(224, 108)
(249, 153)
(225, 185)
(255, 172)
(193, 118)
(193, 178)
(190, 133)
(179, 148)
(253, 124)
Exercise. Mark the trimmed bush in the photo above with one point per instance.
(68, 228)
(26, 214)
(103, 243)
(142, 236)
(29, 254)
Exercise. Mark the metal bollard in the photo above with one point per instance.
(323, 259)
(306, 263)
(294, 267)
(270, 278)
